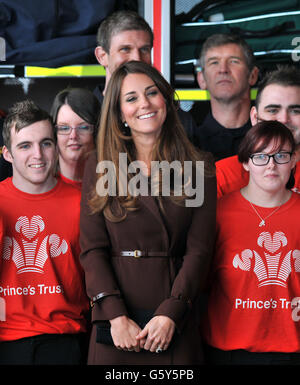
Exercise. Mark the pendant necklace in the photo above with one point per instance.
(263, 220)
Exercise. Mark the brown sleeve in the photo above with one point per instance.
(95, 253)
(192, 275)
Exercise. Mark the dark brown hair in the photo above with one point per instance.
(260, 136)
(283, 75)
(82, 101)
(172, 144)
(20, 115)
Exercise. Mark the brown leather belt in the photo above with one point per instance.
(102, 295)
(140, 254)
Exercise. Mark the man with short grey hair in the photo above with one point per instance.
(228, 72)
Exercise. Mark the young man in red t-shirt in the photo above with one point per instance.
(278, 98)
(41, 280)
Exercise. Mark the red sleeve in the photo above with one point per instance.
(231, 175)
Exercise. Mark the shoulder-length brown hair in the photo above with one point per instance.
(113, 139)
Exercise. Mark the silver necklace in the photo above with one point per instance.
(263, 220)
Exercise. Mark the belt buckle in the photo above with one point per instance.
(136, 254)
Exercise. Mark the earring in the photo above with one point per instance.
(125, 129)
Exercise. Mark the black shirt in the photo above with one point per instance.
(220, 141)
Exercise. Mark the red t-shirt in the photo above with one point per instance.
(41, 279)
(232, 176)
(72, 182)
(255, 278)
(2, 300)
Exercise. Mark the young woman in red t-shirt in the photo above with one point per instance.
(253, 305)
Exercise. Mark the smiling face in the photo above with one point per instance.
(32, 154)
(143, 106)
(225, 73)
(74, 146)
(272, 177)
(280, 103)
(125, 46)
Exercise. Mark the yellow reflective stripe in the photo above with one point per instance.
(98, 70)
(66, 71)
(192, 95)
(202, 94)
(253, 93)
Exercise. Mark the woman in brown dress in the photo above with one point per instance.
(145, 248)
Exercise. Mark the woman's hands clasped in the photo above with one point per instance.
(124, 331)
(157, 334)
(155, 337)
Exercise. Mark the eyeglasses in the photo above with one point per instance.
(82, 129)
(264, 159)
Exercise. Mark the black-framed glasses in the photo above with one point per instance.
(263, 159)
(82, 129)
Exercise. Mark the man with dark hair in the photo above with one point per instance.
(41, 278)
(278, 98)
(280, 90)
(124, 36)
(227, 71)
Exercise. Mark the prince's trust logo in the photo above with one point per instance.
(33, 248)
(272, 264)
